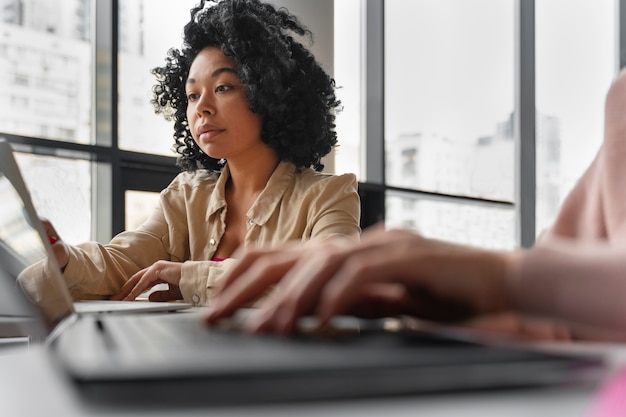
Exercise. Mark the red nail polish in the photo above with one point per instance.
(52, 240)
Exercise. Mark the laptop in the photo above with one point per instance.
(20, 246)
(152, 361)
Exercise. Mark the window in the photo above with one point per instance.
(46, 69)
(450, 95)
(139, 205)
(348, 65)
(147, 29)
(474, 224)
(449, 90)
(57, 74)
(428, 87)
(61, 192)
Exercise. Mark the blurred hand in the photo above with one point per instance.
(59, 247)
(159, 272)
(388, 272)
(255, 273)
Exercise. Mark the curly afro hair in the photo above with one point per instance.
(283, 82)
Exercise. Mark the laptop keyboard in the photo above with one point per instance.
(156, 336)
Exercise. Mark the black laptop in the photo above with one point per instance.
(172, 359)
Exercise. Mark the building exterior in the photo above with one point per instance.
(45, 67)
(482, 168)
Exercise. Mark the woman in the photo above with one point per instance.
(253, 116)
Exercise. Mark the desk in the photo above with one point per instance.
(29, 386)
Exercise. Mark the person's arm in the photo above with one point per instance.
(398, 272)
(94, 270)
(580, 283)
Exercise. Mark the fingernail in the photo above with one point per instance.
(52, 240)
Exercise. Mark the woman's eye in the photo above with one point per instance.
(192, 97)
(222, 88)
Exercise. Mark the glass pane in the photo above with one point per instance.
(61, 193)
(348, 64)
(574, 70)
(139, 205)
(147, 29)
(472, 224)
(46, 69)
(449, 89)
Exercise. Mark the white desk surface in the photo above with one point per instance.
(29, 386)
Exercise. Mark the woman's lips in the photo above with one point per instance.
(208, 135)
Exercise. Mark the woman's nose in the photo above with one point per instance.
(205, 105)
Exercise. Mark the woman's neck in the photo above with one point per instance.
(251, 176)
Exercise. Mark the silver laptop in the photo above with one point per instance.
(22, 251)
(172, 360)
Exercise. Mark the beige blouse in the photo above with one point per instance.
(189, 222)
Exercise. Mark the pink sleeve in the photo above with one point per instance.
(596, 207)
(582, 283)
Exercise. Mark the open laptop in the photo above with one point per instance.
(173, 360)
(21, 246)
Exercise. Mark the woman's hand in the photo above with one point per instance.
(59, 247)
(388, 272)
(158, 273)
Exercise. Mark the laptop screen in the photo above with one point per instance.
(29, 274)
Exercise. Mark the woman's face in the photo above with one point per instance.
(218, 111)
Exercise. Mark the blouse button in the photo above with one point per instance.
(195, 298)
(250, 222)
(212, 242)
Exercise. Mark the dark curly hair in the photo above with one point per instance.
(283, 82)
